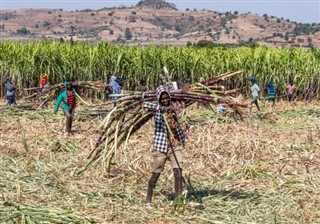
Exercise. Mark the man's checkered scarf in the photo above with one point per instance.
(160, 141)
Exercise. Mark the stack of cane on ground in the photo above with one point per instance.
(128, 116)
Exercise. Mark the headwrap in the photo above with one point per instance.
(253, 79)
(113, 78)
(119, 79)
(43, 76)
(162, 89)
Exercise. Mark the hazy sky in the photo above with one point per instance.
(295, 10)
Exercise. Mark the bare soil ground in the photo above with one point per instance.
(264, 169)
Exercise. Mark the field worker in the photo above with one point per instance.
(116, 83)
(271, 94)
(68, 99)
(291, 88)
(110, 88)
(164, 143)
(254, 91)
(10, 91)
(44, 88)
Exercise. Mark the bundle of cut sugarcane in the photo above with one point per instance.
(213, 85)
(50, 91)
(129, 116)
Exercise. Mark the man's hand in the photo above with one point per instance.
(167, 109)
(172, 108)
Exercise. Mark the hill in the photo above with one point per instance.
(156, 22)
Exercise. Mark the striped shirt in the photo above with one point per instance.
(71, 100)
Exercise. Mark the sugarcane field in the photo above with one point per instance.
(102, 133)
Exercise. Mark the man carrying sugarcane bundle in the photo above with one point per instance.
(68, 99)
(168, 141)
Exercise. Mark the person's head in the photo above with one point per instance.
(291, 83)
(44, 76)
(165, 99)
(113, 78)
(269, 85)
(253, 80)
(119, 80)
(163, 96)
(69, 86)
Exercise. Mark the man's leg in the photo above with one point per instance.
(176, 160)
(10, 100)
(71, 118)
(13, 101)
(177, 181)
(159, 159)
(256, 103)
(151, 185)
(68, 121)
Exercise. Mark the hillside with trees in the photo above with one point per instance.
(157, 22)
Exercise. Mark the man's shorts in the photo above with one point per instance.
(271, 97)
(254, 100)
(160, 158)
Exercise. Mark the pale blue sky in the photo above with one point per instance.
(295, 10)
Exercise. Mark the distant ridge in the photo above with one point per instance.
(157, 22)
(156, 4)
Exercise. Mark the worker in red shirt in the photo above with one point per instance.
(44, 88)
(68, 99)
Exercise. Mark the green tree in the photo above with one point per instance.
(204, 43)
(23, 31)
(128, 34)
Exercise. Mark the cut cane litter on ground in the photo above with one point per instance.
(260, 170)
